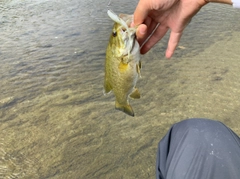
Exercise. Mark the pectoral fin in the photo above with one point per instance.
(122, 66)
(125, 108)
(135, 94)
(138, 67)
(125, 59)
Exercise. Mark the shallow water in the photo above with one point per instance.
(55, 120)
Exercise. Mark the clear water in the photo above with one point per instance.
(55, 121)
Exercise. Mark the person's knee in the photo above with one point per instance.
(198, 123)
(197, 128)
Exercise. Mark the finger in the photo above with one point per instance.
(146, 30)
(154, 38)
(148, 21)
(141, 33)
(141, 12)
(172, 43)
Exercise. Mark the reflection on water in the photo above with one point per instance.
(55, 122)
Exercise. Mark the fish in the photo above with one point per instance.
(122, 63)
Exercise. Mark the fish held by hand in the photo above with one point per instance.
(122, 63)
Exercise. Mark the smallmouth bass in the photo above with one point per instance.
(122, 63)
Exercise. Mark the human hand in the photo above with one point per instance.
(162, 15)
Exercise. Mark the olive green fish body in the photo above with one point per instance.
(122, 65)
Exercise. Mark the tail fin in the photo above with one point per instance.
(125, 108)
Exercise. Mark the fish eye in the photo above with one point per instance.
(114, 34)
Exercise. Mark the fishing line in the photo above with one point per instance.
(150, 35)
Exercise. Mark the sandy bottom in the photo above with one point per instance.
(77, 132)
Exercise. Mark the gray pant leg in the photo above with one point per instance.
(199, 149)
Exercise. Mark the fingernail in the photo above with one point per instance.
(142, 31)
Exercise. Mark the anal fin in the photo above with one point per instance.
(135, 94)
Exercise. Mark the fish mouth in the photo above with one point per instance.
(128, 34)
(117, 19)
